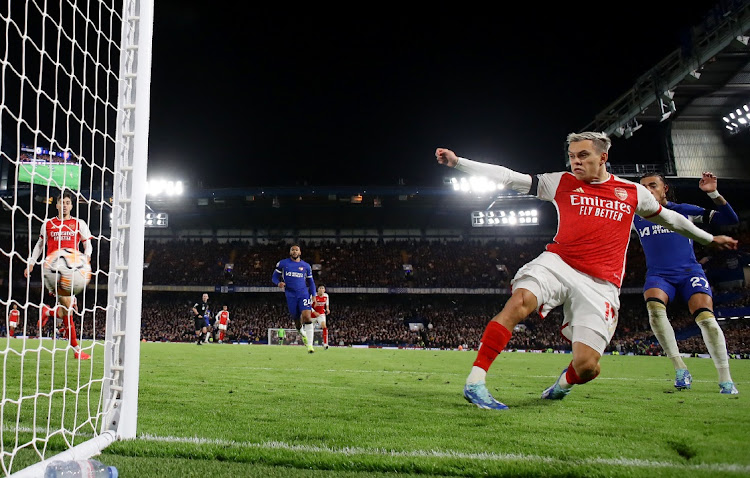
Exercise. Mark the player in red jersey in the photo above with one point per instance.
(321, 309)
(582, 268)
(222, 320)
(63, 231)
(14, 317)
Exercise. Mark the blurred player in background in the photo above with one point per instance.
(672, 270)
(14, 317)
(321, 310)
(62, 232)
(201, 315)
(222, 321)
(581, 269)
(294, 276)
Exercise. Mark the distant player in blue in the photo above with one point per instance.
(294, 276)
(672, 270)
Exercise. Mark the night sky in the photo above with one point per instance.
(267, 96)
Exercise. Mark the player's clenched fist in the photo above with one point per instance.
(446, 157)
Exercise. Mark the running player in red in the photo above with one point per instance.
(13, 318)
(222, 320)
(321, 310)
(63, 231)
(582, 268)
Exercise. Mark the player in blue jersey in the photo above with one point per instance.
(294, 277)
(672, 270)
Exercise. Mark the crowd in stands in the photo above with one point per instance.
(446, 322)
(382, 319)
(372, 263)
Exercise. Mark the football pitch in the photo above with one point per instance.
(254, 410)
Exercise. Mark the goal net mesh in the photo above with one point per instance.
(61, 129)
(292, 337)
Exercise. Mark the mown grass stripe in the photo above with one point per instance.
(355, 451)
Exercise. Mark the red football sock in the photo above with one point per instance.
(494, 340)
(71, 326)
(221, 335)
(47, 312)
(325, 336)
(572, 377)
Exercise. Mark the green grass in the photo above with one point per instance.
(239, 410)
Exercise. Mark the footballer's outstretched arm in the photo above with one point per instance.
(517, 181)
(680, 224)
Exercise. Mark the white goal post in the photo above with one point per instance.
(292, 337)
(74, 118)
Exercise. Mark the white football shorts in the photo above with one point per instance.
(590, 305)
(320, 320)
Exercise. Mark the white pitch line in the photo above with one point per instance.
(355, 451)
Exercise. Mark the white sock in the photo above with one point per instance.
(716, 344)
(476, 375)
(657, 317)
(309, 333)
(563, 382)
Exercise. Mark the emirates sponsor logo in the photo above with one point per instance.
(621, 194)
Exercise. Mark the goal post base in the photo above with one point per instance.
(84, 451)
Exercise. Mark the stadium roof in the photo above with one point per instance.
(704, 79)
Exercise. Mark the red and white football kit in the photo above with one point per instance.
(222, 319)
(583, 266)
(321, 303)
(59, 233)
(13, 319)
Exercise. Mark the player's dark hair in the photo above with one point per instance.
(670, 190)
(63, 195)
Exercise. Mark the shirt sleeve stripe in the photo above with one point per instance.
(654, 214)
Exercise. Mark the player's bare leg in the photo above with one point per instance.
(582, 369)
(496, 336)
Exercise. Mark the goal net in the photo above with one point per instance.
(74, 109)
(292, 337)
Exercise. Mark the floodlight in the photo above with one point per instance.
(164, 187)
(500, 218)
